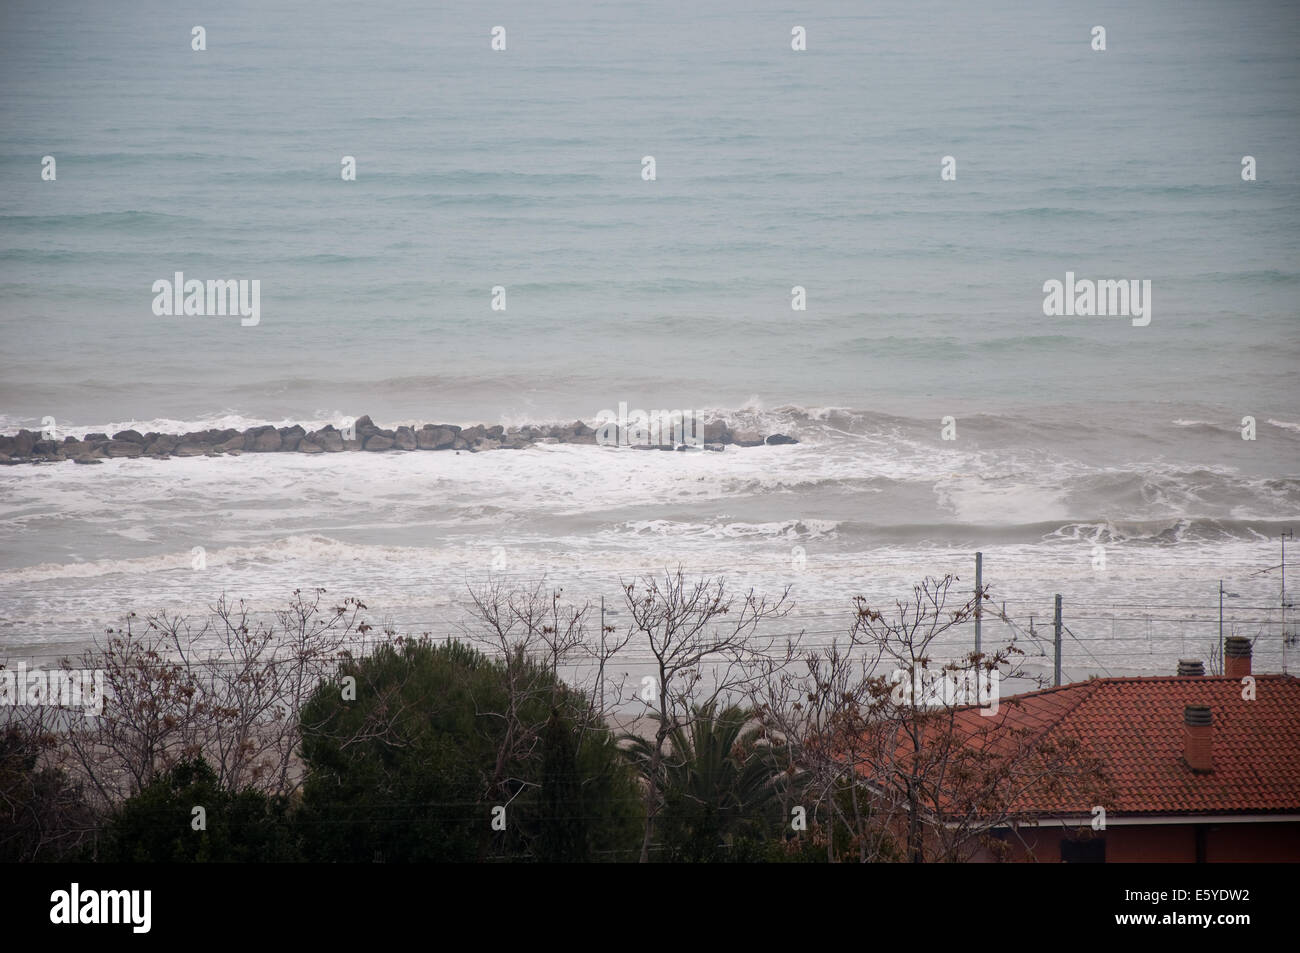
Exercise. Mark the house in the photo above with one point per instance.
(1198, 769)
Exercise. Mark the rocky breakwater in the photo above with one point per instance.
(27, 446)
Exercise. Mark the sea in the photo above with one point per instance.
(629, 203)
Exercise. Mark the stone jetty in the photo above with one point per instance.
(27, 446)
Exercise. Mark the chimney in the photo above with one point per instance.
(1236, 656)
(1198, 738)
(1190, 666)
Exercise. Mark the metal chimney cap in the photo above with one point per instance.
(1197, 716)
(1191, 666)
(1236, 646)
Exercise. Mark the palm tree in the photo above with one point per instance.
(720, 781)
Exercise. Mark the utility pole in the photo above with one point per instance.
(1286, 534)
(1058, 639)
(1223, 593)
(979, 596)
(1220, 618)
(601, 673)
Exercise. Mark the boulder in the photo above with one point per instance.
(378, 442)
(24, 440)
(745, 438)
(193, 450)
(250, 436)
(86, 458)
(717, 431)
(259, 439)
(226, 446)
(436, 438)
(290, 437)
(777, 439)
(328, 439)
(130, 436)
(267, 441)
(365, 429)
(163, 443)
(305, 445)
(123, 448)
(404, 438)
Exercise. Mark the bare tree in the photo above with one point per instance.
(705, 646)
(819, 707)
(917, 760)
(226, 687)
(903, 750)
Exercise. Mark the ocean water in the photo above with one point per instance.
(775, 168)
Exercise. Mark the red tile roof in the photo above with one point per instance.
(1134, 726)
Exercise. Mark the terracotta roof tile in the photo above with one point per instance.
(1135, 727)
